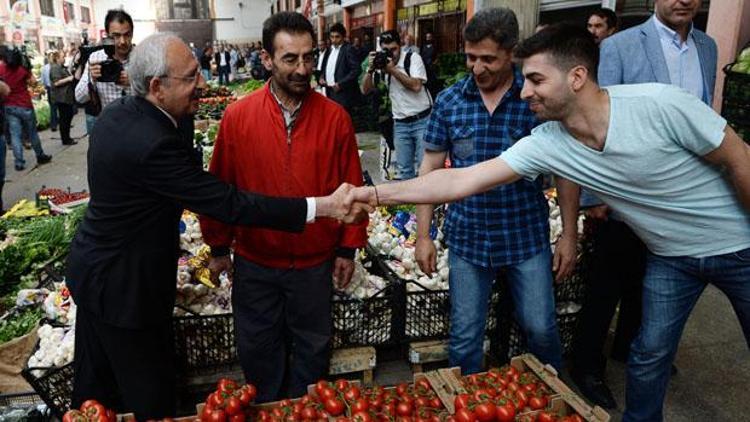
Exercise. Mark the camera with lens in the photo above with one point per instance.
(381, 59)
(111, 67)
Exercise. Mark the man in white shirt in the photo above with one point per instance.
(340, 69)
(411, 103)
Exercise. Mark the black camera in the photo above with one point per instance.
(381, 59)
(111, 67)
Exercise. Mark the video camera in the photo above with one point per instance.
(111, 67)
(381, 59)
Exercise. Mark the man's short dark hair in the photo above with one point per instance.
(291, 22)
(117, 15)
(390, 36)
(608, 15)
(338, 28)
(569, 45)
(497, 23)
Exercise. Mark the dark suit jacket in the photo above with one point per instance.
(217, 58)
(346, 74)
(142, 173)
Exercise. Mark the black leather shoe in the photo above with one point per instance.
(71, 142)
(595, 389)
(43, 159)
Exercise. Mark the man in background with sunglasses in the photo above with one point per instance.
(411, 103)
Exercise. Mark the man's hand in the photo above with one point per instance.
(343, 269)
(218, 265)
(363, 194)
(95, 71)
(322, 82)
(370, 59)
(123, 80)
(564, 261)
(339, 206)
(390, 67)
(600, 212)
(426, 255)
(336, 87)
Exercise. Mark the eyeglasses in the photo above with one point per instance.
(191, 78)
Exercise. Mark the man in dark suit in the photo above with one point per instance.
(123, 260)
(223, 59)
(340, 69)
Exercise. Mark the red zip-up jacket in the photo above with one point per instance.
(253, 152)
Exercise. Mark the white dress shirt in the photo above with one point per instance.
(331, 65)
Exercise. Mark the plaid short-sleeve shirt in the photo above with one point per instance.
(507, 224)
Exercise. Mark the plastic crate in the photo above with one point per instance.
(428, 313)
(367, 322)
(53, 385)
(204, 344)
(735, 105)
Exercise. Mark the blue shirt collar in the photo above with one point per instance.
(668, 34)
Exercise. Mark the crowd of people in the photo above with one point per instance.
(620, 119)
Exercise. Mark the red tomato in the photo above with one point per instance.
(244, 396)
(297, 408)
(424, 384)
(545, 417)
(361, 417)
(217, 415)
(240, 417)
(327, 393)
(513, 386)
(485, 411)
(376, 402)
(390, 408)
(421, 402)
(252, 390)
(435, 403)
(465, 415)
(402, 389)
(319, 386)
(461, 401)
(360, 405)
(309, 413)
(404, 408)
(536, 403)
(234, 406)
(285, 403)
(506, 412)
(352, 394)
(334, 406)
(226, 385)
(342, 385)
(215, 400)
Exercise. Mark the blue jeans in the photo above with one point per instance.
(407, 138)
(22, 120)
(530, 285)
(671, 288)
(90, 120)
(52, 110)
(206, 74)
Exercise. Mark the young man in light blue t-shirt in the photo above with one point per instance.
(667, 163)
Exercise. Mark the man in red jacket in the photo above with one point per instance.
(285, 140)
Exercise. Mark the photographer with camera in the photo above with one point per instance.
(104, 78)
(19, 111)
(411, 103)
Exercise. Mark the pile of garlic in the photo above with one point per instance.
(59, 305)
(191, 239)
(56, 346)
(363, 285)
(203, 300)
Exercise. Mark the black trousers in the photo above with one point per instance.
(66, 112)
(283, 326)
(616, 275)
(128, 370)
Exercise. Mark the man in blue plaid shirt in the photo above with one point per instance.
(507, 227)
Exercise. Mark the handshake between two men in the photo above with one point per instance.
(348, 204)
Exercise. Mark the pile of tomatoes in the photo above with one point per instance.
(229, 403)
(344, 401)
(90, 411)
(504, 395)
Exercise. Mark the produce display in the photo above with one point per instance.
(736, 96)
(229, 402)
(19, 323)
(742, 64)
(90, 411)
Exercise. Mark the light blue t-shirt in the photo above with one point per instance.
(651, 170)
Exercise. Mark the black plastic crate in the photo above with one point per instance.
(53, 385)
(735, 105)
(20, 399)
(428, 313)
(367, 322)
(204, 344)
(512, 342)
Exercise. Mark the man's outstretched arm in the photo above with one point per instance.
(439, 186)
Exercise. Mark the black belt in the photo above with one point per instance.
(415, 117)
